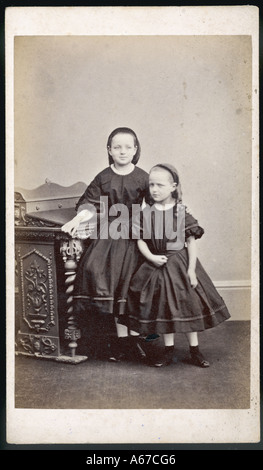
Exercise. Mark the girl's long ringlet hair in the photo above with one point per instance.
(124, 130)
(177, 193)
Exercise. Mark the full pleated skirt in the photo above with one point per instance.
(103, 277)
(161, 300)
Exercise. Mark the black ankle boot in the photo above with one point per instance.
(197, 357)
(118, 349)
(166, 358)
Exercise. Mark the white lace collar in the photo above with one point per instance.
(120, 172)
(161, 207)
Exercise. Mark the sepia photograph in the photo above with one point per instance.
(132, 246)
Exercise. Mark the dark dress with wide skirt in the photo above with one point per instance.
(107, 265)
(161, 299)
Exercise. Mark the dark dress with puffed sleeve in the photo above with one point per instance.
(107, 265)
(161, 299)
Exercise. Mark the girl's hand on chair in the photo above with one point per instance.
(192, 278)
(85, 231)
(159, 260)
(71, 226)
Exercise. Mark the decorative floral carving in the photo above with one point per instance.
(72, 334)
(71, 249)
(37, 345)
(37, 290)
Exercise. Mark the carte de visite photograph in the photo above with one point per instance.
(132, 158)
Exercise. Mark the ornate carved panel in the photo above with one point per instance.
(38, 292)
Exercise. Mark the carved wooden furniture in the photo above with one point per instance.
(46, 262)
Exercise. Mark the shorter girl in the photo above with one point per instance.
(171, 292)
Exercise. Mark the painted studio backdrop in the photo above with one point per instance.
(188, 98)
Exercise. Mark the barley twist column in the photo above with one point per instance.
(71, 250)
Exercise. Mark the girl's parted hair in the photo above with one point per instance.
(124, 130)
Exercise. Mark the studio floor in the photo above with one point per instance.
(98, 384)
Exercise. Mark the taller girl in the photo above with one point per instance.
(108, 264)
